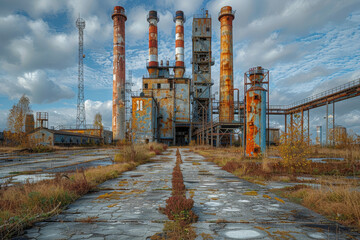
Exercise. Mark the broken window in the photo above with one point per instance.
(159, 86)
(146, 86)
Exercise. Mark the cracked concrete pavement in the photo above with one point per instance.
(228, 207)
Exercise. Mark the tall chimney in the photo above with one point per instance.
(118, 113)
(226, 112)
(153, 44)
(179, 44)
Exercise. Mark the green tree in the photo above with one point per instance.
(16, 120)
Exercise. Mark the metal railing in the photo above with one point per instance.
(228, 12)
(318, 96)
(87, 126)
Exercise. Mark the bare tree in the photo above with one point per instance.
(16, 120)
(98, 123)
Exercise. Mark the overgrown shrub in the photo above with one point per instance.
(294, 146)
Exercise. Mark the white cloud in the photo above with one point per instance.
(166, 23)
(258, 19)
(37, 86)
(187, 6)
(35, 47)
(137, 25)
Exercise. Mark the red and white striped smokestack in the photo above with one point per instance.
(118, 111)
(153, 43)
(179, 20)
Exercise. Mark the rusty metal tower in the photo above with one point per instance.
(118, 113)
(201, 67)
(80, 116)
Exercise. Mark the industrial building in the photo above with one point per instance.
(175, 109)
(49, 137)
(39, 134)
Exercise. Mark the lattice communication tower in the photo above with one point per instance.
(80, 117)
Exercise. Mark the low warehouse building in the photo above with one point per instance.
(106, 135)
(49, 137)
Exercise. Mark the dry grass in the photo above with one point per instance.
(351, 153)
(339, 203)
(139, 152)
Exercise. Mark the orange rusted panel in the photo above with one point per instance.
(226, 111)
(118, 113)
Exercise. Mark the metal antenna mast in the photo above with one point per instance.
(80, 117)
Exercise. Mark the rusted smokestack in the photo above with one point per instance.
(118, 113)
(226, 112)
(153, 44)
(179, 20)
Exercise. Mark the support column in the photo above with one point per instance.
(285, 126)
(291, 124)
(212, 131)
(327, 123)
(334, 123)
(218, 137)
(302, 124)
(308, 129)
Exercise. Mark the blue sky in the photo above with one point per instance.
(308, 46)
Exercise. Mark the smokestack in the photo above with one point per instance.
(226, 112)
(153, 43)
(179, 44)
(118, 113)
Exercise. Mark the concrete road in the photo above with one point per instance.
(18, 166)
(228, 207)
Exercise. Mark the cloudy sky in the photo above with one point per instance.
(308, 46)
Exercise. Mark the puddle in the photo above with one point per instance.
(277, 185)
(31, 178)
(243, 234)
(231, 209)
(324, 160)
(213, 204)
(243, 201)
(210, 184)
(306, 178)
(317, 235)
(213, 196)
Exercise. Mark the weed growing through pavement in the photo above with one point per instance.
(178, 209)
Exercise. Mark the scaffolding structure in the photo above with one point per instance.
(201, 68)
